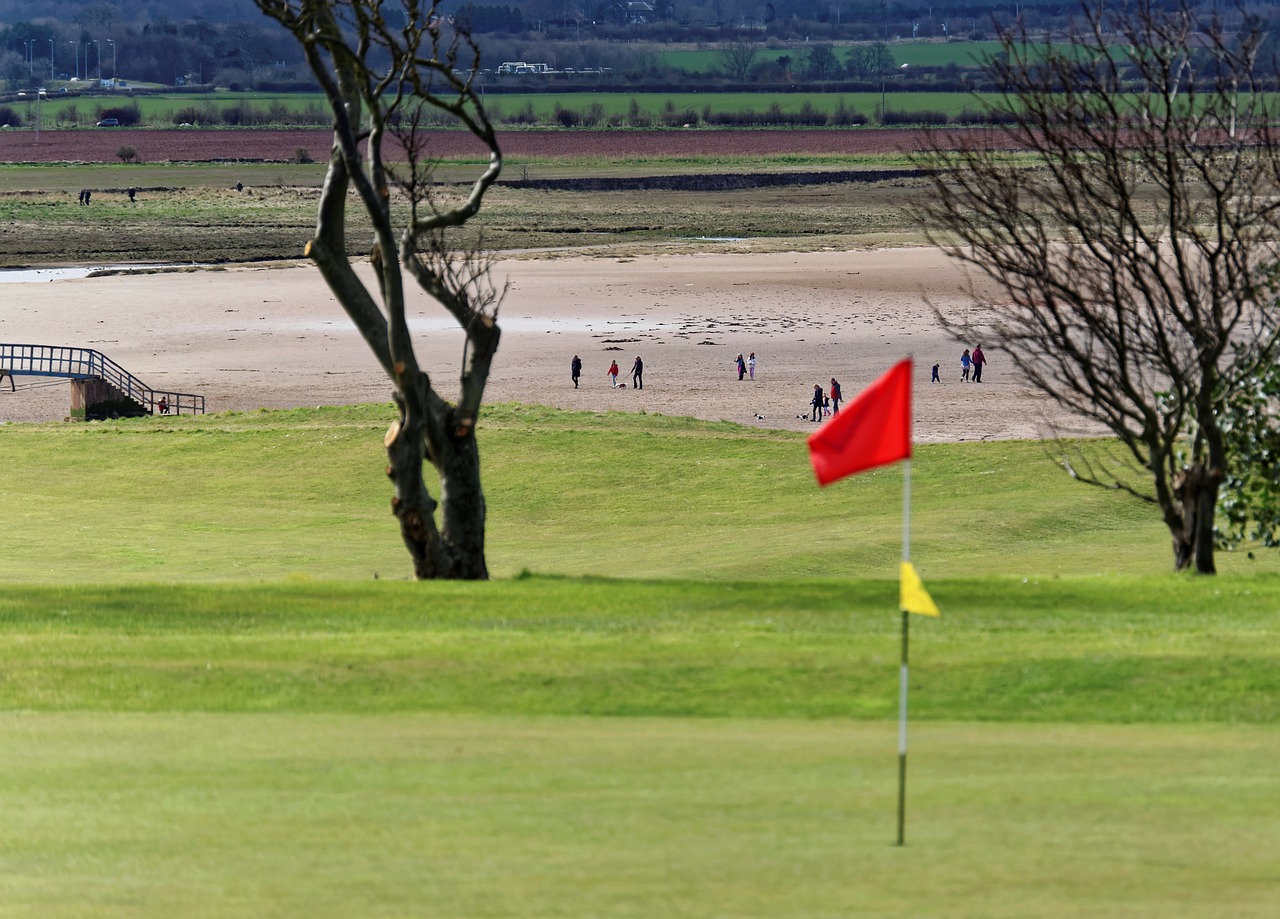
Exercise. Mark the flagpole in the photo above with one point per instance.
(902, 672)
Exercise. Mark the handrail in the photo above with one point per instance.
(88, 364)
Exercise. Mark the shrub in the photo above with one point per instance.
(9, 115)
(843, 116)
(635, 117)
(969, 116)
(921, 117)
(566, 117)
(125, 114)
(302, 155)
(127, 154)
(526, 115)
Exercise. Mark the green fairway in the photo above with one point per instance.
(1085, 650)
(220, 697)
(301, 493)
(341, 816)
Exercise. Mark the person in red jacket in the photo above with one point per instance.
(613, 373)
(836, 397)
(979, 359)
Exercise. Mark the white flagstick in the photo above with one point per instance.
(902, 673)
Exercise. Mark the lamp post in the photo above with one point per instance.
(99, 44)
(26, 43)
(76, 52)
(113, 62)
(51, 59)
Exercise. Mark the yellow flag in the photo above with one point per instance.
(912, 597)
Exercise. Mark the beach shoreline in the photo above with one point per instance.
(272, 336)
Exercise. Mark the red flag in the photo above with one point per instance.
(872, 430)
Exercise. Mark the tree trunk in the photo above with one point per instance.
(1196, 489)
(411, 503)
(462, 509)
(455, 550)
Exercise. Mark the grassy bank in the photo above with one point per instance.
(301, 493)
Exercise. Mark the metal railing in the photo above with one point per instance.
(87, 364)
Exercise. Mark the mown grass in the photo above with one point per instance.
(387, 815)
(275, 494)
(1097, 651)
(209, 707)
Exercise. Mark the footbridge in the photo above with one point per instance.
(100, 388)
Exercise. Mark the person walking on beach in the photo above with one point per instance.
(818, 399)
(742, 366)
(935, 378)
(637, 374)
(836, 397)
(751, 365)
(979, 359)
(965, 363)
(575, 369)
(613, 373)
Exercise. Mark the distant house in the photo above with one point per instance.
(639, 12)
(520, 67)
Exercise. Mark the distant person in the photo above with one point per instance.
(935, 378)
(239, 186)
(979, 361)
(613, 373)
(637, 374)
(741, 365)
(836, 397)
(82, 197)
(87, 193)
(163, 405)
(816, 402)
(965, 363)
(751, 365)
(133, 192)
(575, 369)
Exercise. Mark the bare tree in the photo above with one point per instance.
(821, 62)
(870, 62)
(1134, 254)
(736, 58)
(383, 72)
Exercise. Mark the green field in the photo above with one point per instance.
(219, 697)
(654, 104)
(917, 54)
(303, 110)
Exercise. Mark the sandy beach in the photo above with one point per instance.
(274, 337)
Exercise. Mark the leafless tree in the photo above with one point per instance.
(385, 68)
(871, 62)
(736, 57)
(1132, 244)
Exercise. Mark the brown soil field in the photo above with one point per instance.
(99, 145)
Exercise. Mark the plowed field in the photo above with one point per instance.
(100, 145)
